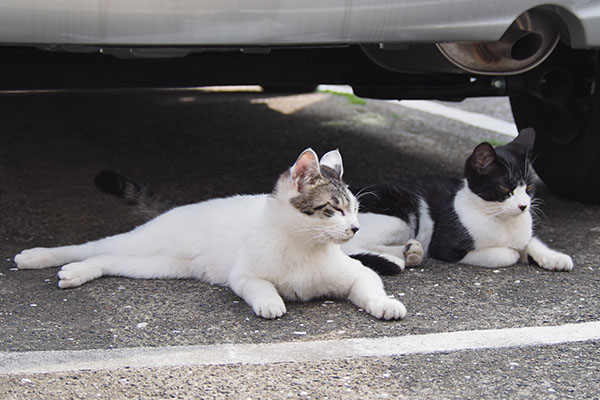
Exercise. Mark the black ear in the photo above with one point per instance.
(523, 143)
(482, 159)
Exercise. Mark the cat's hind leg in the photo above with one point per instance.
(390, 260)
(140, 267)
(133, 242)
(45, 257)
(382, 236)
(413, 253)
(383, 264)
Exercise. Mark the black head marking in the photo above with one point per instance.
(493, 174)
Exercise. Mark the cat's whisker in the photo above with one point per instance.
(536, 210)
(537, 201)
(538, 213)
(311, 235)
(495, 211)
(362, 193)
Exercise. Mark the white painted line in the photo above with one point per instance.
(470, 118)
(226, 354)
(474, 119)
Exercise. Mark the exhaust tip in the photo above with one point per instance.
(525, 44)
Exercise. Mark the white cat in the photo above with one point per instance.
(264, 247)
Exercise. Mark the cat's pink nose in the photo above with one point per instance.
(523, 207)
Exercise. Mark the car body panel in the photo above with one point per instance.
(276, 22)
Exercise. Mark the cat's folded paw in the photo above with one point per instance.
(270, 308)
(386, 308)
(76, 274)
(413, 253)
(554, 261)
(36, 258)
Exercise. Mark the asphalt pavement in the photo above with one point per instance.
(192, 145)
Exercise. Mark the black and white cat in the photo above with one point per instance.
(264, 247)
(484, 219)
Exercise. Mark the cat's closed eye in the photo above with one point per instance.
(338, 210)
(328, 207)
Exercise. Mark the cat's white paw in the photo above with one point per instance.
(270, 308)
(386, 308)
(77, 273)
(36, 258)
(413, 253)
(554, 261)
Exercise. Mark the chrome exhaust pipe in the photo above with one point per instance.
(526, 43)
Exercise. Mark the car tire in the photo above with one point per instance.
(561, 101)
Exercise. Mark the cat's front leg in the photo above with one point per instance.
(547, 258)
(260, 294)
(385, 308)
(368, 293)
(492, 257)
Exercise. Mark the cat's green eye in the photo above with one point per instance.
(529, 188)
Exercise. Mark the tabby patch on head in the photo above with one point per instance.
(325, 197)
(321, 191)
(315, 189)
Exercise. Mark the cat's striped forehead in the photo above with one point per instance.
(325, 197)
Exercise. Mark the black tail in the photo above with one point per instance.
(110, 182)
(377, 263)
(145, 201)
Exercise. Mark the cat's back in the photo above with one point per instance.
(401, 198)
(438, 192)
(211, 225)
(426, 204)
(227, 212)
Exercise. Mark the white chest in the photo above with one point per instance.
(491, 230)
(300, 274)
(514, 233)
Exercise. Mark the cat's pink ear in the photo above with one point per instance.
(306, 169)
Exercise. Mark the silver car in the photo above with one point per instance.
(545, 57)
